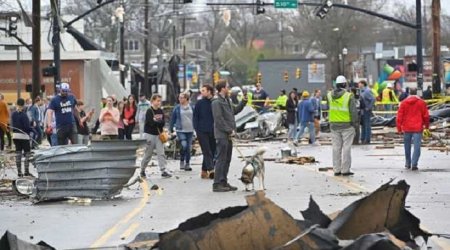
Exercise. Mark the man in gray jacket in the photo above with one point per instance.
(343, 118)
(224, 129)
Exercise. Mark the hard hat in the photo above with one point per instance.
(341, 79)
(65, 87)
(305, 94)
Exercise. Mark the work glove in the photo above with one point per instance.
(426, 133)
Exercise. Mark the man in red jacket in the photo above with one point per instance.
(412, 119)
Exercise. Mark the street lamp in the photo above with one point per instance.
(119, 13)
(344, 54)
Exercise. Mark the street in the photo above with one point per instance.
(108, 223)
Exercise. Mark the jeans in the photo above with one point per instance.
(54, 140)
(291, 131)
(366, 130)
(185, 139)
(388, 107)
(303, 126)
(153, 143)
(208, 146)
(82, 139)
(222, 166)
(342, 149)
(416, 140)
(128, 131)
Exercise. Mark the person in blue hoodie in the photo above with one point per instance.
(182, 121)
(204, 128)
(21, 137)
(305, 116)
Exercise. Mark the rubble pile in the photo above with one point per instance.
(377, 221)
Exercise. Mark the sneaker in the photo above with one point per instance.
(218, 187)
(348, 174)
(165, 174)
(20, 175)
(316, 143)
(181, 165)
(407, 167)
(142, 174)
(232, 188)
(414, 168)
(337, 174)
(204, 174)
(187, 167)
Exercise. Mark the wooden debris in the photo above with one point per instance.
(302, 160)
(385, 146)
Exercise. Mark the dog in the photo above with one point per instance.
(254, 167)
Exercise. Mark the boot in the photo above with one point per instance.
(27, 165)
(19, 164)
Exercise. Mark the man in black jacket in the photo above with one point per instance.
(154, 125)
(224, 130)
(204, 127)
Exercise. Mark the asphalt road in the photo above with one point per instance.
(69, 225)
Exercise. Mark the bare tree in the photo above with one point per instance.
(341, 28)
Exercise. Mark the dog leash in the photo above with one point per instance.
(237, 148)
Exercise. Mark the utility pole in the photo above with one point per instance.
(174, 29)
(183, 30)
(36, 49)
(122, 48)
(419, 43)
(436, 19)
(18, 70)
(56, 40)
(146, 48)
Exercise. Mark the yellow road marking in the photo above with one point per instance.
(105, 237)
(130, 230)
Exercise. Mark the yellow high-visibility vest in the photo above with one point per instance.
(339, 108)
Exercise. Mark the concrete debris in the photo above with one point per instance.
(10, 241)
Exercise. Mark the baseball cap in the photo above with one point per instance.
(65, 87)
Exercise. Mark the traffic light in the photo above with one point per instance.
(324, 9)
(216, 77)
(49, 71)
(194, 78)
(260, 7)
(12, 27)
(259, 78)
(298, 73)
(286, 76)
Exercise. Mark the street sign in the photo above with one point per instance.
(286, 4)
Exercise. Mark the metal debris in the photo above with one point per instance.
(97, 171)
(10, 241)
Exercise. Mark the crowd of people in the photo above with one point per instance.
(62, 119)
